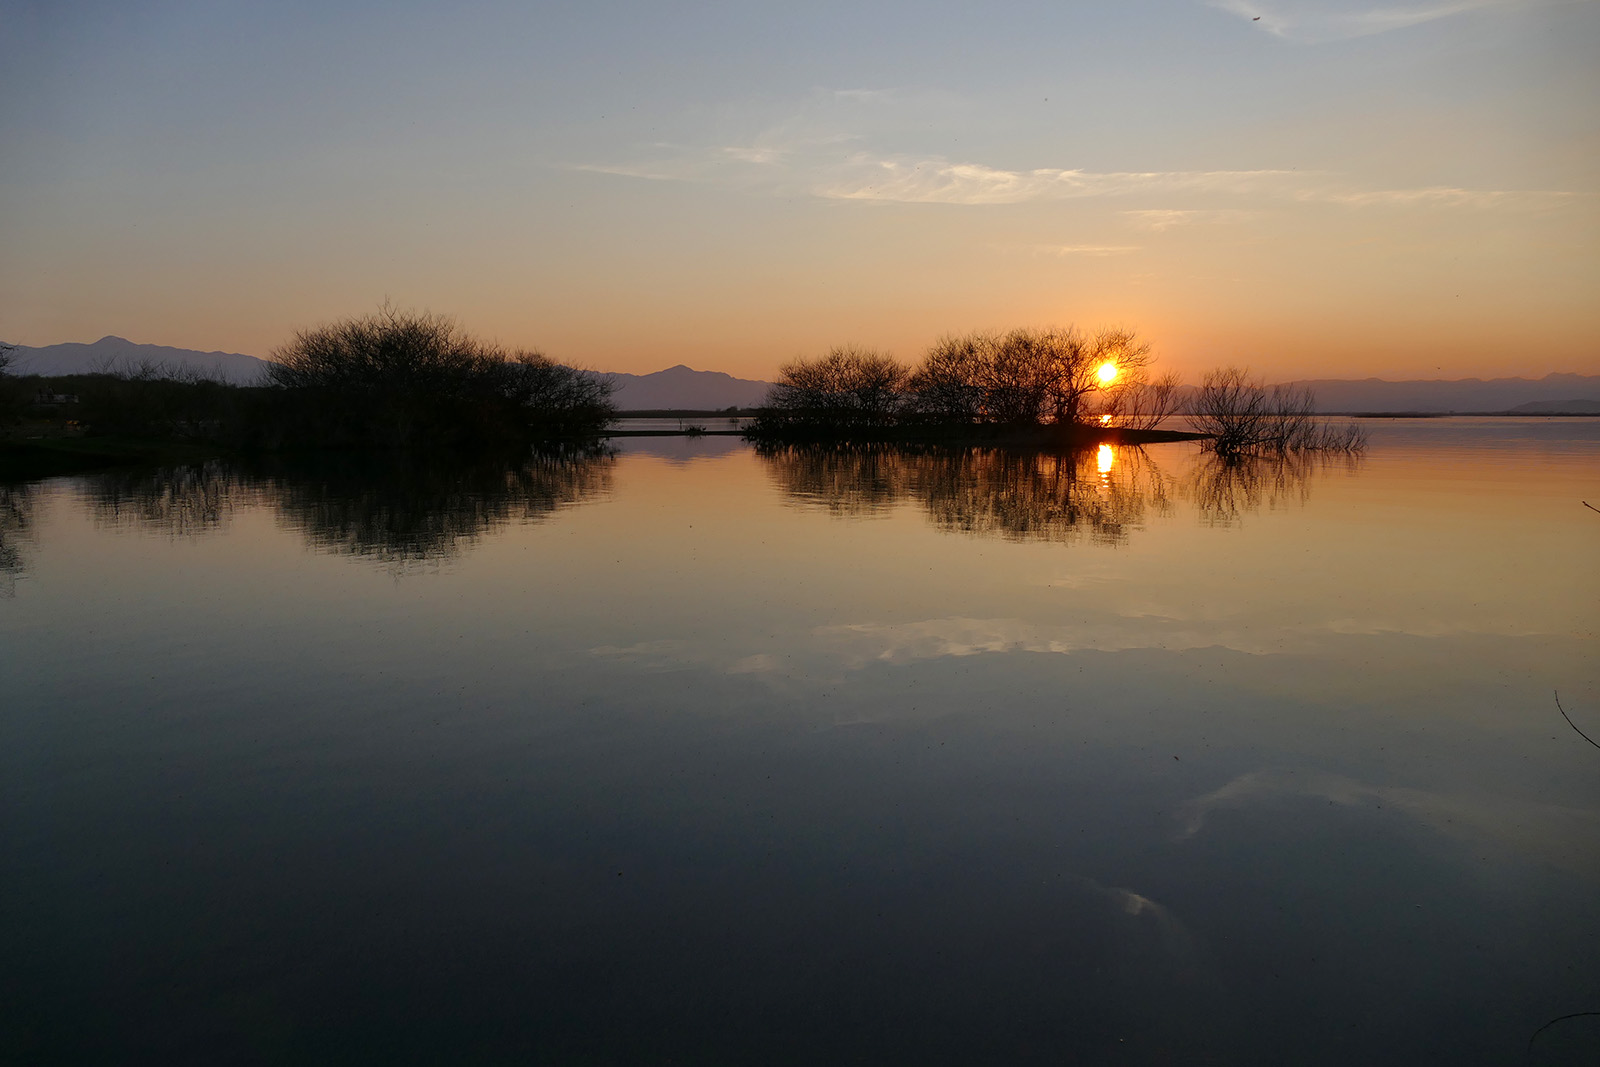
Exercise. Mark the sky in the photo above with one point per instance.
(1302, 187)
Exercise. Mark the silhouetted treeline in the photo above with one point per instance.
(8, 395)
(11, 401)
(399, 378)
(1013, 382)
(394, 507)
(391, 379)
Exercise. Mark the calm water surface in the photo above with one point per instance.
(691, 754)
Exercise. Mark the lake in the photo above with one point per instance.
(686, 753)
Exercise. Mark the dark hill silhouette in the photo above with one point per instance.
(684, 388)
(676, 387)
(112, 353)
(1558, 407)
(1462, 395)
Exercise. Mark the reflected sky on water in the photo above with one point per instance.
(692, 752)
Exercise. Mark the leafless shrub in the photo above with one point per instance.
(1241, 415)
(849, 388)
(1141, 403)
(950, 385)
(399, 377)
(1030, 376)
(10, 390)
(1026, 377)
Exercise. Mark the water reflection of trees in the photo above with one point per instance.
(16, 523)
(396, 510)
(178, 500)
(1225, 488)
(412, 512)
(1101, 494)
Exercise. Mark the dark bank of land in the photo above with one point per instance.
(1034, 389)
(390, 381)
(1052, 436)
(408, 382)
(29, 458)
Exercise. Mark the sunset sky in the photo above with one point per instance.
(1308, 188)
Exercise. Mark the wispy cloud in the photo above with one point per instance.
(864, 178)
(832, 147)
(1160, 220)
(1317, 21)
(939, 181)
(766, 154)
(1063, 251)
(1443, 196)
(655, 172)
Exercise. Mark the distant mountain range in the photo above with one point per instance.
(681, 388)
(1552, 393)
(676, 387)
(115, 354)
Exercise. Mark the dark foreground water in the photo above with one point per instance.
(692, 755)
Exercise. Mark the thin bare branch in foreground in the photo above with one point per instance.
(1572, 724)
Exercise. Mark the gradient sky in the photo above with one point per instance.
(1335, 189)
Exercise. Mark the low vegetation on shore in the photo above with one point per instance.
(979, 384)
(402, 380)
(389, 380)
(1033, 387)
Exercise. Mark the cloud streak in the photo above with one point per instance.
(839, 145)
(789, 169)
(938, 181)
(1064, 251)
(1159, 220)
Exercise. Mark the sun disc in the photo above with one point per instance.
(1108, 373)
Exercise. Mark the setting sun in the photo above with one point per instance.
(1107, 373)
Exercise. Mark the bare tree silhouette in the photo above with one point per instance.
(848, 389)
(10, 390)
(1241, 415)
(1020, 379)
(398, 377)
